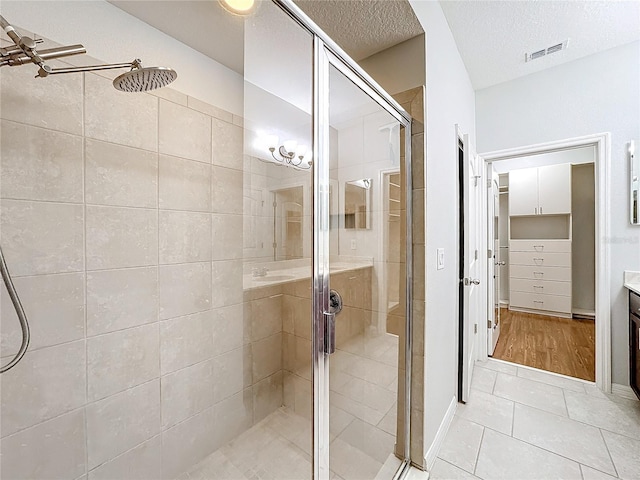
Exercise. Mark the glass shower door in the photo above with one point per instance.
(361, 281)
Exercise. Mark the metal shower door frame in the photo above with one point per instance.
(326, 54)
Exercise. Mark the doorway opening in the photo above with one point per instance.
(546, 226)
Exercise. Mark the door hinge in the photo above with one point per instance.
(475, 328)
(475, 254)
(489, 253)
(489, 324)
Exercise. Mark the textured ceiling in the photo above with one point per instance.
(493, 36)
(364, 27)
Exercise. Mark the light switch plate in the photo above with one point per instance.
(353, 244)
(440, 258)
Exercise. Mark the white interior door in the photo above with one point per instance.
(472, 264)
(494, 263)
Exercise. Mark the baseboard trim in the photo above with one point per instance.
(434, 449)
(623, 391)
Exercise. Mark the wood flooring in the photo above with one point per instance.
(560, 345)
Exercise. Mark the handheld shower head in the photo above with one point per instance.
(141, 79)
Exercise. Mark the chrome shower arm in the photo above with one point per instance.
(89, 68)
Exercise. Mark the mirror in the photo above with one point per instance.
(357, 204)
(634, 176)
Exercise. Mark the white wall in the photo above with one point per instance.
(120, 37)
(450, 100)
(598, 93)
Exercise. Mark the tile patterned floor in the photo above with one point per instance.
(522, 424)
(362, 429)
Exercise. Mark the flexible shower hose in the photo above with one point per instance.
(22, 317)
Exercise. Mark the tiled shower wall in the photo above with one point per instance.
(121, 221)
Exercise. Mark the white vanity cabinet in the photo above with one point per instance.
(540, 190)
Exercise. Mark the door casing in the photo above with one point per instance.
(602, 145)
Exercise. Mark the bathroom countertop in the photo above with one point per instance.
(276, 277)
(632, 281)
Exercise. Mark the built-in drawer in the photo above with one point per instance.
(560, 274)
(542, 246)
(547, 287)
(540, 259)
(551, 303)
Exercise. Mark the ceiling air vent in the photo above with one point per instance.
(546, 51)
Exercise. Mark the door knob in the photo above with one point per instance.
(335, 302)
(502, 263)
(471, 281)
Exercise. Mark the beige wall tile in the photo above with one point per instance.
(120, 117)
(226, 190)
(184, 184)
(267, 356)
(143, 462)
(233, 416)
(54, 305)
(187, 392)
(185, 237)
(55, 103)
(303, 358)
(302, 318)
(184, 132)
(122, 421)
(171, 95)
(267, 396)
(40, 164)
(226, 283)
(185, 341)
(417, 160)
(121, 237)
(121, 360)
(230, 329)
(54, 449)
(34, 243)
(210, 110)
(232, 372)
(184, 445)
(45, 384)
(184, 289)
(227, 236)
(118, 175)
(227, 142)
(118, 299)
(266, 317)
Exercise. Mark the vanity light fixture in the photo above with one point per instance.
(238, 7)
(285, 153)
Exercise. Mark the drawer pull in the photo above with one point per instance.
(536, 247)
(538, 301)
(538, 286)
(539, 273)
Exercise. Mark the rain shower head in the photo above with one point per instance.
(144, 79)
(138, 79)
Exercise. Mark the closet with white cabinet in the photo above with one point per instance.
(540, 240)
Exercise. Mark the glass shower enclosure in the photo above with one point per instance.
(214, 290)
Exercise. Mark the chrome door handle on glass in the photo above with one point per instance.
(335, 307)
